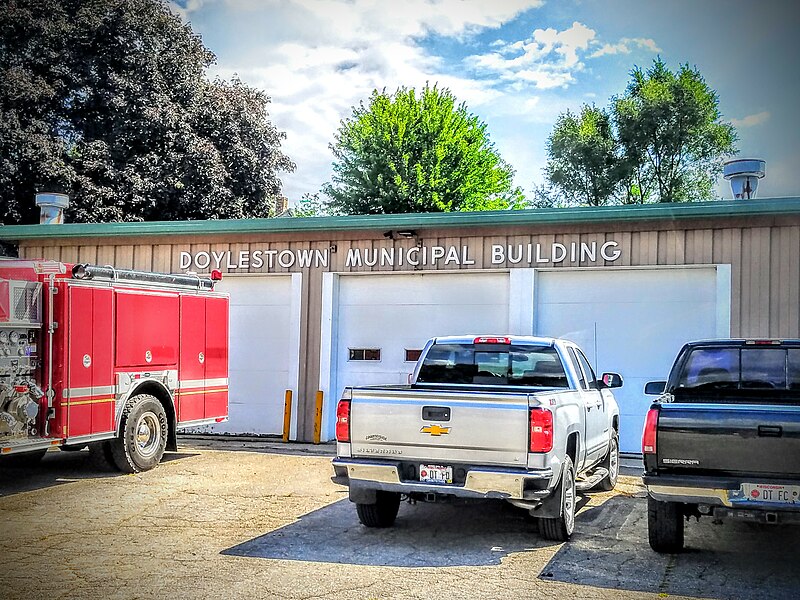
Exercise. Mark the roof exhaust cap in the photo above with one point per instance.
(52, 206)
(744, 173)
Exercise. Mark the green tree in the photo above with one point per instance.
(663, 140)
(584, 161)
(107, 100)
(669, 127)
(411, 152)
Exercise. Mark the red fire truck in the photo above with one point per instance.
(116, 360)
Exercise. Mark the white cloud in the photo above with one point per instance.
(751, 120)
(625, 46)
(548, 59)
(319, 58)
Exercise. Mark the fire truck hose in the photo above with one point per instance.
(86, 271)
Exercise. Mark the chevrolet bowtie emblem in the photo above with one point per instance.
(435, 430)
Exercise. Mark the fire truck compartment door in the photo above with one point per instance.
(192, 364)
(90, 400)
(216, 397)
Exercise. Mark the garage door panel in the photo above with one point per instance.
(663, 285)
(258, 324)
(257, 291)
(621, 329)
(630, 321)
(427, 289)
(416, 324)
(402, 311)
(260, 353)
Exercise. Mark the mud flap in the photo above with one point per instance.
(550, 508)
(363, 496)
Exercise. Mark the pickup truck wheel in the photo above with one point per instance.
(382, 513)
(143, 439)
(610, 464)
(664, 526)
(560, 529)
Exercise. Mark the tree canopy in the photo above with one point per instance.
(584, 158)
(663, 140)
(416, 152)
(107, 100)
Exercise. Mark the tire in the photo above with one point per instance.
(101, 458)
(382, 513)
(560, 529)
(23, 460)
(664, 526)
(611, 464)
(143, 436)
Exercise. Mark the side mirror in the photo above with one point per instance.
(655, 388)
(611, 380)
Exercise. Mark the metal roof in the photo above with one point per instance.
(506, 218)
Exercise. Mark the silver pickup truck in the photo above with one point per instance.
(523, 419)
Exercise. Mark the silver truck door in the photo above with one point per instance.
(594, 407)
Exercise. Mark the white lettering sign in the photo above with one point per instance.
(555, 253)
(415, 256)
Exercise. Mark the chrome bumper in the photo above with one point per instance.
(481, 482)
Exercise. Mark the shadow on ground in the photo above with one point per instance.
(261, 445)
(424, 535)
(733, 560)
(58, 468)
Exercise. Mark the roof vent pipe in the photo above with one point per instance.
(52, 207)
(744, 173)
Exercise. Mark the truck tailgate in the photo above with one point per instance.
(464, 427)
(730, 438)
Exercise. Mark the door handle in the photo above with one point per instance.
(770, 431)
(435, 413)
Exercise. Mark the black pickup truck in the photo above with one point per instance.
(723, 438)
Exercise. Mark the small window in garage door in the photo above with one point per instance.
(412, 355)
(364, 354)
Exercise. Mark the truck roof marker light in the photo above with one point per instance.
(649, 432)
(216, 275)
(763, 342)
(492, 340)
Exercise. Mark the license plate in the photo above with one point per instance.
(768, 493)
(435, 474)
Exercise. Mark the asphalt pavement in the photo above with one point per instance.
(237, 518)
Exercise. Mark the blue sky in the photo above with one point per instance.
(516, 64)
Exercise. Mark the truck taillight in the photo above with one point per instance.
(541, 422)
(649, 433)
(343, 421)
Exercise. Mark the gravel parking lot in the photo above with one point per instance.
(243, 519)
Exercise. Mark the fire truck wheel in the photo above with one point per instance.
(100, 456)
(141, 443)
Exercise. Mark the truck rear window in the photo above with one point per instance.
(749, 368)
(493, 364)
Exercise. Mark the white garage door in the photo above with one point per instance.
(630, 321)
(395, 313)
(264, 346)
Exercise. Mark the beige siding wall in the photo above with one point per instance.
(764, 257)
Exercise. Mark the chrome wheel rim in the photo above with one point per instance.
(614, 463)
(148, 435)
(569, 506)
